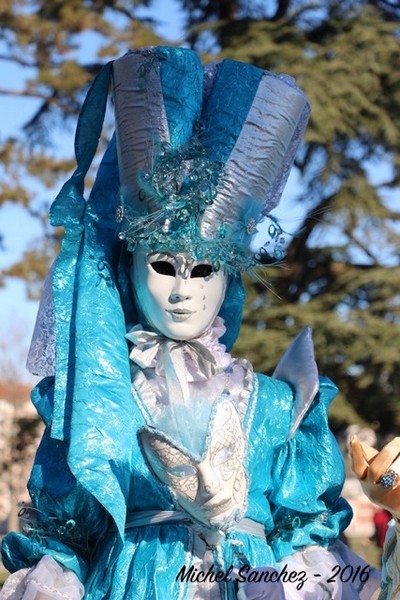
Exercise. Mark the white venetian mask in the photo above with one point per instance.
(213, 488)
(177, 296)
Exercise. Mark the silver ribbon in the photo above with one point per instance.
(145, 518)
(154, 350)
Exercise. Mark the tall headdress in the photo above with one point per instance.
(204, 153)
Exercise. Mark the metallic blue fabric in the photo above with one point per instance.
(294, 496)
(178, 95)
(68, 211)
(222, 127)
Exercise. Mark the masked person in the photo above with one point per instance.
(168, 468)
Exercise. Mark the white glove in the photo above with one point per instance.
(47, 581)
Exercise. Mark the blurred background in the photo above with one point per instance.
(339, 219)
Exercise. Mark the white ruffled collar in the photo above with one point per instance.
(203, 356)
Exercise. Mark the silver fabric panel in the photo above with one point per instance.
(141, 122)
(41, 359)
(260, 153)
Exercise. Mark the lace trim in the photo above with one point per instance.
(41, 358)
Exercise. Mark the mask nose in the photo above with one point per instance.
(209, 484)
(180, 290)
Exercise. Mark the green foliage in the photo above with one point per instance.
(341, 274)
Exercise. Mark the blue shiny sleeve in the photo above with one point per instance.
(308, 476)
(65, 520)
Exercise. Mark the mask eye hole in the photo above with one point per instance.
(162, 267)
(182, 471)
(223, 455)
(202, 270)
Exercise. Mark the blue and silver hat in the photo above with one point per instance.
(204, 152)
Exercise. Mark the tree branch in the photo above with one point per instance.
(362, 246)
(20, 61)
(47, 101)
(281, 10)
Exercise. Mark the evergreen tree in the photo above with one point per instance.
(341, 273)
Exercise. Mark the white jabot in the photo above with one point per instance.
(191, 360)
(179, 381)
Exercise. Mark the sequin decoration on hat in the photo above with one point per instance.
(204, 152)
